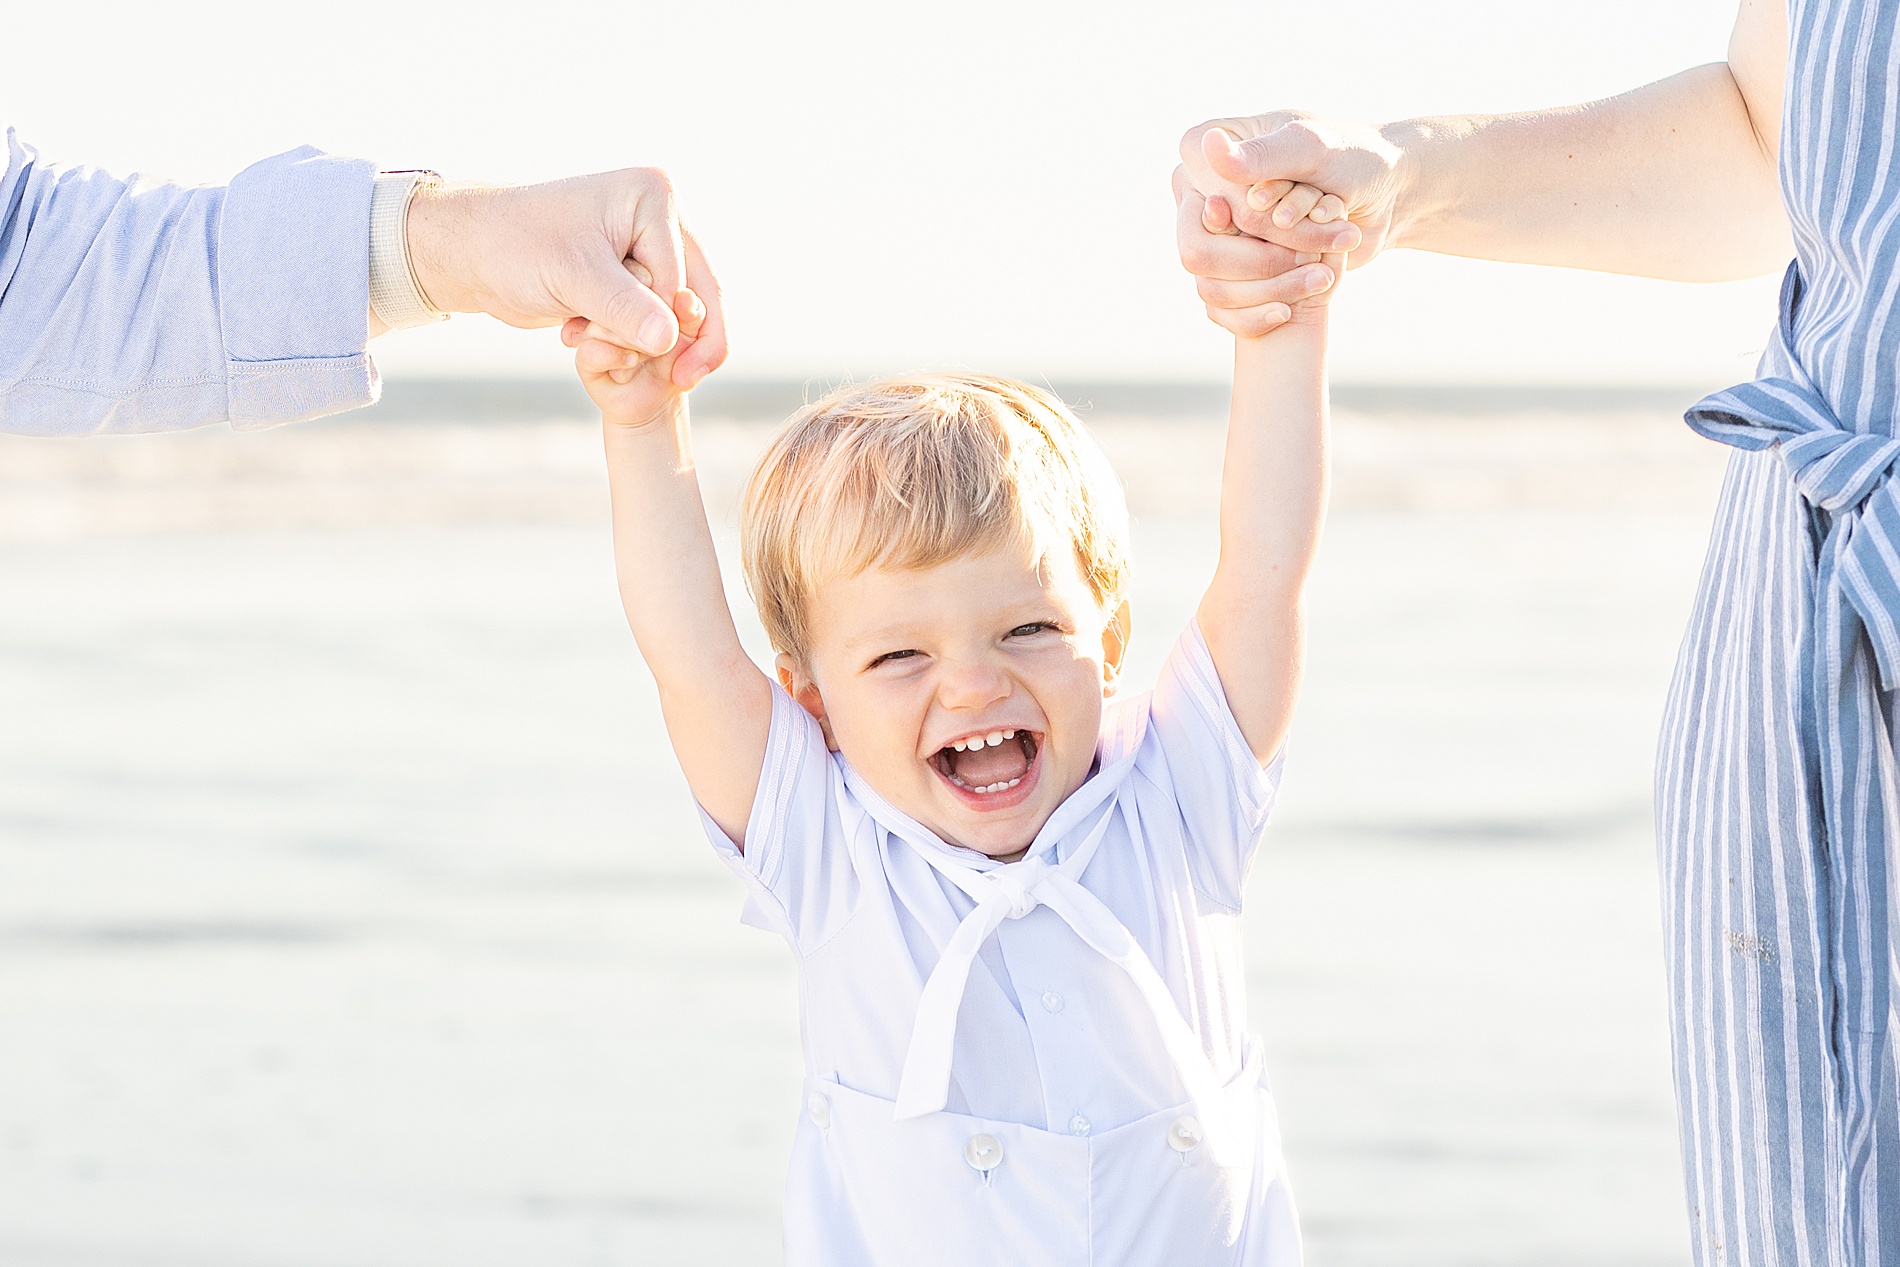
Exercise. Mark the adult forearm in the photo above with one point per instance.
(1673, 180)
(135, 305)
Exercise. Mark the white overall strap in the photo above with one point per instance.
(1011, 892)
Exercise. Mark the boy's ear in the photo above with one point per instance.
(1115, 646)
(799, 685)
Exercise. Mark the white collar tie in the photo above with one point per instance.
(1012, 891)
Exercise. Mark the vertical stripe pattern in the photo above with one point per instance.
(1778, 793)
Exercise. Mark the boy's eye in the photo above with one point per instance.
(891, 655)
(1031, 629)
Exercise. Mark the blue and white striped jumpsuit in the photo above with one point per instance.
(1778, 790)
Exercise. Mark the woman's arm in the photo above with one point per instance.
(1674, 180)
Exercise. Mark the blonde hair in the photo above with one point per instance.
(913, 472)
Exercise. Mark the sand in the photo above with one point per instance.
(352, 913)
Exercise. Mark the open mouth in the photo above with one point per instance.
(988, 765)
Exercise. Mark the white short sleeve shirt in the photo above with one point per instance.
(1051, 1035)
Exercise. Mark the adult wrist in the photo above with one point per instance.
(396, 295)
(443, 221)
(1414, 203)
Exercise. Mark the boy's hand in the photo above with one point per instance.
(629, 397)
(632, 390)
(1250, 286)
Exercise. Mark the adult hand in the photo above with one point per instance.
(1273, 169)
(607, 249)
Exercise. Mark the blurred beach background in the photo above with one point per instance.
(352, 911)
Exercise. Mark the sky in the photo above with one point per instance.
(890, 186)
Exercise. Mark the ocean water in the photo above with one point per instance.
(352, 913)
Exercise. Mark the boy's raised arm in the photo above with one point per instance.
(717, 703)
(1273, 494)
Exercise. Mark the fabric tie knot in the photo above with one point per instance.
(1011, 892)
(1837, 470)
(1848, 474)
(1017, 883)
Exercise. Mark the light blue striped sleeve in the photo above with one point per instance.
(138, 305)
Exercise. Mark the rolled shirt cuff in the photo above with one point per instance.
(293, 272)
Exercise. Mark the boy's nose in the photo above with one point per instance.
(968, 684)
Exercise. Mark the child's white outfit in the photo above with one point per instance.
(1102, 1102)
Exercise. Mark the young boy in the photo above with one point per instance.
(1014, 895)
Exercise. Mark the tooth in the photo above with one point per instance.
(1013, 782)
(1009, 734)
(958, 745)
(993, 738)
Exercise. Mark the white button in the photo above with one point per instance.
(983, 1152)
(820, 1110)
(1078, 1125)
(1185, 1135)
(1051, 1001)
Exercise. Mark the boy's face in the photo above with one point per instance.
(907, 664)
